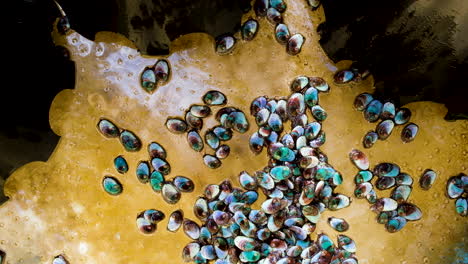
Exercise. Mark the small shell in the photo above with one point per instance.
(363, 176)
(363, 189)
(247, 181)
(130, 141)
(404, 179)
(344, 76)
(193, 121)
(318, 113)
(162, 71)
(225, 44)
(245, 243)
(211, 139)
(155, 150)
(319, 84)
(121, 164)
(401, 193)
(299, 83)
(112, 186)
(339, 224)
(260, 7)
(256, 143)
(57, 260)
(211, 162)
(282, 34)
(279, 5)
(223, 151)
(176, 125)
(386, 170)
(200, 111)
(359, 159)
(369, 139)
(161, 166)
(145, 226)
(427, 179)
(224, 134)
(395, 224)
(195, 141)
(388, 111)
(261, 118)
(258, 104)
(346, 243)
(384, 183)
(361, 101)
(461, 206)
(170, 193)
(311, 97)
(190, 251)
(191, 229)
(384, 129)
(274, 121)
(294, 45)
(402, 116)
(175, 221)
(183, 184)
(108, 129)
(409, 211)
(373, 110)
(274, 205)
(409, 132)
(148, 80)
(455, 187)
(249, 29)
(384, 204)
(214, 98)
(156, 181)
(273, 16)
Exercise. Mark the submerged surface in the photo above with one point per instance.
(59, 207)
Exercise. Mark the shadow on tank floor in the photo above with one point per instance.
(387, 39)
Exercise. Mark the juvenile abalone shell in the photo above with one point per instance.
(108, 129)
(130, 141)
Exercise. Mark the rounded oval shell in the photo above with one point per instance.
(274, 16)
(191, 229)
(201, 111)
(130, 141)
(359, 159)
(223, 151)
(156, 181)
(363, 176)
(108, 129)
(211, 161)
(282, 34)
(319, 84)
(455, 187)
(170, 193)
(121, 164)
(112, 186)
(193, 121)
(155, 150)
(339, 224)
(143, 171)
(395, 224)
(294, 44)
(384, 129)
(427, 179)
(183, 184)
(373, 110)
(361, 101)
(388, 111)
(195, 141)
(386, 170)
(318, 113)
(409, 211)
(162, 71)
(249, 29)
(402, 116)
(279, 5)
(344, 76)
(176, 125)
(461, 206)
(214, 98)
(369, 139)
(175, 221)
(161, 166)
(148, 79)
(299, 83)
(225, 44)
(384, 183)
(275, 123)
(409, 132)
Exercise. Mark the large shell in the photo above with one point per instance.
(214, 98)
(176, 125)
(388, 111)
(384, 183)
(295, 105)
(294, 45)
(211, 161)
(155, 150)
(359, 159)
(339, 224)
(284, 154)
(325, 242)
(170, 193)
(361, 101)
(224, 134)
(386, 170)
(175, 221)
(373, 110)
(281, 109)
(108, 129)
(401, 193)
(384, 129)
(161, 166)
(409, 132)
(409, 211)
(208, 252)
(130, 141)
(455, 187)
(156, 181)
(280, 172)
(200, 209)
(312, 213)
(249, 29)
(195, 141)
(238, 122)
(247, 181)
(427, 179)
(145, 225)
(339, 201)
(191, 229)
(211, 139)
(112, 186)
(402, 116)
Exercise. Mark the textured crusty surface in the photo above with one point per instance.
(59, 206)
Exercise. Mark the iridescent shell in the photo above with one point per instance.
(183, 184)
(339, 224)
(361, 101)
(275, 122)
(176, 125)
(224, 134)
(384, 204)
(261, 118)
(256, 143)
(108, 129)
(275, 221)
(311, 213)
(221, 218)
(63, 26)
(311, 96)
(261, 7)
(121, 164)
(344, 76)
(156, 181)
(294, 45)
(57, 260)
(339, 201)
(299, 83)
(153, 215)
(386, 170)
(201, 111)
(162, 71)
(143, 171)
(395, 224)
(402, 116)
(318, 113)
(148, 79)
(281, 109)
(312, 130)
(195, 141)
(249, 29)
(200, 209)
(225, 44)
(274, 16)
(404, 179)
(461, 206)
(383, 217)
(325, 242)
(384, 183)
(208, 252)
(401, 193)
(280, 172)
(388, 111)
(221, 247)
(130, 141)
(112, 186)
(161, 166)
(258, 217)
(238, 122)
(455, 187)
(384, 129)
(346, 243)
(284, 154)
(191, 229)
(247, 181)
(274, 205)
(348, 260)
(175, 221)
(249, 197)
(369, 139)
(223, 151)
(264, 180)
(363, 176)
(371, 197)
(319, 84)
(427, 179)
(190, 251)
(214, 98)
(257, 104)
(299, 120)
(249, 256)
(211, 161)
(409, 132)
(282, 34)
(211, 139)
(170, 193)
(319, 140)
(145, 226)
(156, 151)
(211, 191)
(279, 5)
(193, 121)
(245, 243)
(373, 110)
(313, 3)
(363, 189)
(409, 211)
(359, 159)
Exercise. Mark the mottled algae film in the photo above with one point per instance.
(59, 207)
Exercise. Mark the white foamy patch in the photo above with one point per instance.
(77, 208)
(83, 248)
